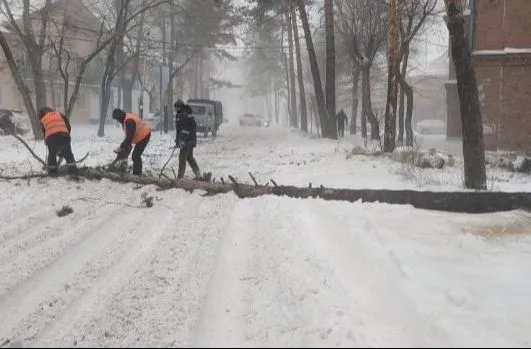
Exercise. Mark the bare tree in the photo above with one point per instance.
(330, 66)
(300, 76)
(130, 73)
(34, 46)
(363, 28)
(393, 55)
(126, 11)
(72, 67)
(471, 118)
(414, 15)
(326, 130)
(293, 91)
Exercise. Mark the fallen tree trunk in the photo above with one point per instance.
(463, 202)
(466, 202)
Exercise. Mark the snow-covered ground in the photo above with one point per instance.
(220, 271)
(277, 153)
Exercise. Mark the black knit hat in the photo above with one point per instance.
(118, 114)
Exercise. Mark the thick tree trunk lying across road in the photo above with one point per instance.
(465, 202)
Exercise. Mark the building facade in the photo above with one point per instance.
(500, 39)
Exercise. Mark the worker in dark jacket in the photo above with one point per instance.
(342, 120)
(137, 132)
(185, 138)
(56, 129)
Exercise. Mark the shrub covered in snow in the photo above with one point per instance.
(509, 160)
(423, 159)
(522, 164)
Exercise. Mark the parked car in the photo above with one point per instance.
(431, 127)
(14, 121)
(256, 120)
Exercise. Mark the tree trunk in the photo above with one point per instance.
(105, 97)
(285, 66)
(171, 55)
(393, 77)
(471, 118)
(51, 84)
(330, 66)
(319, 94)
(277, 106)
(293, 91)
(39, 86)
(355, 99)
(22, 88)
(366, 105)
(408, 91)
(462, 202)
(401, 107)
(302, 92)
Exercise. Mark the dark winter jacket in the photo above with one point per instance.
(185, 127)
(341, 119)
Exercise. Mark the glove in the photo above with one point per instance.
(122, 152)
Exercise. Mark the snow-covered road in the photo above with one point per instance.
(220, 271)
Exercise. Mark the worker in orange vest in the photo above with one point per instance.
(56, 129)
(137, 132)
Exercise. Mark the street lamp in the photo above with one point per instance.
(141, 106)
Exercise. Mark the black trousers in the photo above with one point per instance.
(341, 130)
(59, 144)
(137, 154)
(187, 155)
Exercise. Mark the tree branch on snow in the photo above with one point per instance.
(465, 202)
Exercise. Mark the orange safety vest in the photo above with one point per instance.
(143, 128)
(53, 123)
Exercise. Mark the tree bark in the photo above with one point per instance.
(401, 107)
(462, 202)
(355, 99)
(366, 105)
(319, 94)
(404, 86)
(302, 92)
(293, 91)
(330, 66)
(471, 118)
(393, 76)
(171, 57)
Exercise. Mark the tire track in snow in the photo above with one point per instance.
(220, 322)
(44, 251)
(25, 300)
(109, 282)
(372, 277)
(161, 305)
(25, 212)
(269, 288)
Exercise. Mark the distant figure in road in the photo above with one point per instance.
(56, 129)
(185, 138)
(137, 132)
(342, 121)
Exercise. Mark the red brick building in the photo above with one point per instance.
(500, 32)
